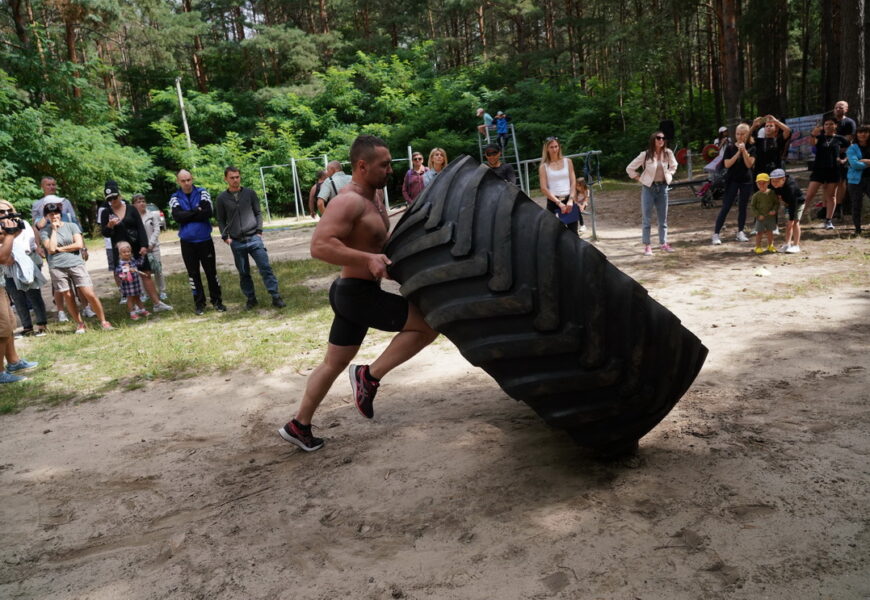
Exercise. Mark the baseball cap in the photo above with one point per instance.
(110, 190)
(723, 129)
(762, 177)
(51, 207)
(777, 173)
(492, 148)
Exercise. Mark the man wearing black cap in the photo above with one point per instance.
(241, 226)
(492, 152)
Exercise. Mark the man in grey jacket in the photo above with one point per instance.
(241, 227)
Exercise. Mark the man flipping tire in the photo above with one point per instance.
(352, 234)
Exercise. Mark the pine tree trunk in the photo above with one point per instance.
(730, 63)
(853, 70)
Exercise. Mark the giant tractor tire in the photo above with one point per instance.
(543, 312)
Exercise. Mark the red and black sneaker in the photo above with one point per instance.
(364, 389)
(299, 434)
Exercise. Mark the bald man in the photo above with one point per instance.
(191, 208)
(335, 180)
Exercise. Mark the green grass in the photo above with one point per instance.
(813, 285)
(179, 344)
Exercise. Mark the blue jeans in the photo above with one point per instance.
(656, 196)
(732, 190)
(254, 248)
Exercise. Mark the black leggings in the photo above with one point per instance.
(195, 254)
(856, 195)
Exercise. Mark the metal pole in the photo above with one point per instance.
(295, 185)
(265, 194)
(325, 162)
(183, 113)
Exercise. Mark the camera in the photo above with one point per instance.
(18, 224)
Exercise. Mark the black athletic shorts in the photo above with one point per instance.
(826, 174)
(359, 304)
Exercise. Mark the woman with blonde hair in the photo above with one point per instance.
(436, 164)
(738, 160)
(659, 166)
(558, 184)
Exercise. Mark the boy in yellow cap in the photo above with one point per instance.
(764, 204)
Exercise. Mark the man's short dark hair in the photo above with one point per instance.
(492, 148)
(363, 147)
(231, 169)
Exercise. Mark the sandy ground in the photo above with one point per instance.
(755, 486)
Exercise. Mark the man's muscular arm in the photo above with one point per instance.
(335, 240)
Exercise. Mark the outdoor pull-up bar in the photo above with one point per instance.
(299, 201)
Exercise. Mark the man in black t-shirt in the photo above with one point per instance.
(846, 127)
(492, 152)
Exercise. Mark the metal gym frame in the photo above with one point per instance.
(300, 202)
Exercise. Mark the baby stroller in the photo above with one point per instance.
(713, 190)
(715, 187)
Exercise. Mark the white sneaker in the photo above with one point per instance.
(582, 228)
(741, 237)
(776, 232)
(828, 224)
(163, 296)
(88, 312)
(61, 317)
(161, 306)
(793, 249)
(123, 300)
(716, 240)
(784, 247)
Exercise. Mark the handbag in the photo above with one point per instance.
(571, 217)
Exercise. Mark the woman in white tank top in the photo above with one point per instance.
(558, 182)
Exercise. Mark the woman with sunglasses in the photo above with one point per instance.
(437, 162)
(558, 184)
(659, 165)
(738, 159)
(413, 184)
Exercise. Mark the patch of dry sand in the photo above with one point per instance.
(755, 486)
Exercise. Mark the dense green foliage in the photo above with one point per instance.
(89, 87)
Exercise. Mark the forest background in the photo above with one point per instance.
(88, 87)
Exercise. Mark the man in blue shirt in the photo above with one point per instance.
(191, 208)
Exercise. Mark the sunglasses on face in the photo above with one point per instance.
(492, 153)
(660, 137)
(418, 158)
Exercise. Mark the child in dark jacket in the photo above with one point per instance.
(790, 194)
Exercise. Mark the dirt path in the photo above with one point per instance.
(755, 486)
